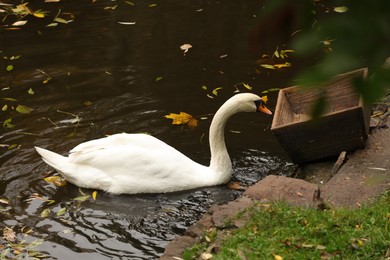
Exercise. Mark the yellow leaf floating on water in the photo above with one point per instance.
(182, 119)
(94, 195)
(215, 91)
(268, 66)
(265, 99)
(24, 109)
(56, 180)
(82, 198)
(247, 86)
(340, 9)
(282, 65)
(39, 14)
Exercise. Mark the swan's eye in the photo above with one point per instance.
(260, 105)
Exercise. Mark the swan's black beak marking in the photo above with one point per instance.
(262, 108)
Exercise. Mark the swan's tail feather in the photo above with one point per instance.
(53, 159)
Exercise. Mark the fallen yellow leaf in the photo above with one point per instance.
(235, 185)
(94, 195)
(182, 119)
(56, 180)
(268, 66)
(277, 257)
(265, 99)
(215, 91)
(39, 15)
(282, 65)
(9, 234)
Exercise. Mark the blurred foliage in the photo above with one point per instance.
(346, 35)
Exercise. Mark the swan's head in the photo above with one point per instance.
(248, 102)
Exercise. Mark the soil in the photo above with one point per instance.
(359, 178)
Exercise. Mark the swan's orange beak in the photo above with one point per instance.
(264, 110)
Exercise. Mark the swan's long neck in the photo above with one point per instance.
(220, 161)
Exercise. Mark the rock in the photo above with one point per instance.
(224, 214)
(177, 246)
(295, 192)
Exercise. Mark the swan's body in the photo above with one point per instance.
(140, 163)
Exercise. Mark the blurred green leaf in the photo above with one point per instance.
(319, 106)
(10, 99)
(24, 109)
(340, 9)
(82, 198)
(7, 123)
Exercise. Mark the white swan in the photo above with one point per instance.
(140, 163)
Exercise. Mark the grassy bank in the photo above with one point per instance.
(278, 231)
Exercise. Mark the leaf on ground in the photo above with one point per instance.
(277, 257)
(321, 247)
(4, 201)
(45, 213)
(182, 119)
(9, 234)
(61, 211)
(24, 109)
(56, 180)
(206, 256)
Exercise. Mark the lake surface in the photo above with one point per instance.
(118, 67)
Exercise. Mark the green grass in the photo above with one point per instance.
(296, 233)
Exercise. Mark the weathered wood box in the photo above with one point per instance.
(344, 126)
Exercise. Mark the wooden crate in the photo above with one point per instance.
(344, 126)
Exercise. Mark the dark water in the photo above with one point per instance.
(107, 77)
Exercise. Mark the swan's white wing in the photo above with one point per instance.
(142, 140)
(139, 163)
